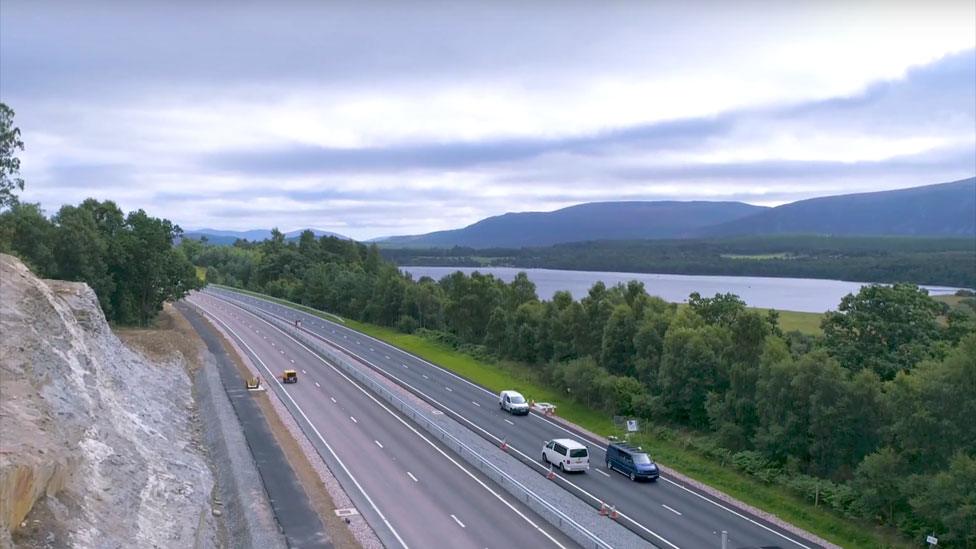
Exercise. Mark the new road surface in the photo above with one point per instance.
(667, 513)
(415, 490)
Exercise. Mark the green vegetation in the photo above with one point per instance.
(937, 261)
(859, 416)
(668, 446)
(10, 143)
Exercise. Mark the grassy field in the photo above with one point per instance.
(673, 453)
(807, 323)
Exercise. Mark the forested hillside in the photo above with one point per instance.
(591, 221)
(946, 209)
(935, 261)
(873, 419)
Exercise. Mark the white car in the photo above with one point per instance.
(566, 454)
(513, 403)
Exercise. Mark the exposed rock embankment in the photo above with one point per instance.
(97, 444)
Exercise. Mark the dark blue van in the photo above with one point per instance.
(631, 461)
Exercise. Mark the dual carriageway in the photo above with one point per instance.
(418, 490)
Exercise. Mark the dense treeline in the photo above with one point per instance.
(129, 260)
(873, 419)
(937, 261)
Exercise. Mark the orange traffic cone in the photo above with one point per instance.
(550, 475)
(613, 512)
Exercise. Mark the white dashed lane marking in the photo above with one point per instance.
(317, 384)
(476, 404)
(409, 474)
(353, 419)
(604, 473)
(671, 509)
(461, 524)
(509, 422)
(332, 399)
(378, 443)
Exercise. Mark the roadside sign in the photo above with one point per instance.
(931, 540)
(632, 425)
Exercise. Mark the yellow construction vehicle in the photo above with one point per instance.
(289, 376)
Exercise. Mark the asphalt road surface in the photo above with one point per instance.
(423, 493)
(667, 512)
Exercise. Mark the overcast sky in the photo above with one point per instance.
(373, 119)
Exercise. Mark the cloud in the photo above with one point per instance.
(372, 117)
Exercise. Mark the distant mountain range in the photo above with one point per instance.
(219, 237)
(947, 209)
(592, 221)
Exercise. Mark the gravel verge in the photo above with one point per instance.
(246, 512)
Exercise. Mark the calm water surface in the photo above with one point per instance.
(785, 294)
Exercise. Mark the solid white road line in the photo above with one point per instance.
(464, 469)
(492, 436)
(461, 524)
(409, 474)
(673, 510)
(584, 441)
(316, 431)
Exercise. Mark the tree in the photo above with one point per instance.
(723, 309)
(879, 481)
(521, 290)
(10, 143)
(617, 352)
(82, 251)
(931, 409)
(690, 369)
(947, 503)
(884, 328)
(26, 233)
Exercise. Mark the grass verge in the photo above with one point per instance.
(673, 453)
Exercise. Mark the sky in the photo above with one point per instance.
(382, 118)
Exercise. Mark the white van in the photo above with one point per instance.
(566, 454)
(513, 403)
